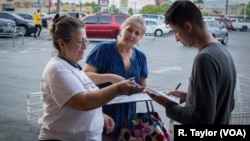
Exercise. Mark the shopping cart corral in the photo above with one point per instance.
(34, 109)
(240, 114)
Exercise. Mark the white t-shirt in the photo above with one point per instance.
(60, 82)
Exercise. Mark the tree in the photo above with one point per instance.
(93, 5)
(130, 11)
(113, 9)
(154, 9)
(247, 10)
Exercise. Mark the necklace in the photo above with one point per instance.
(74, 65)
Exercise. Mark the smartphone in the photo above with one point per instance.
(103, 85)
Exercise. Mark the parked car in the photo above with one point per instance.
(75, 14)
(104, 25)
(27, 26)
(240, 24)
(156, 27)
(227, 22)
(219, 31)
(46, 16)
(30, 17)
(151, 16)
(52, 14)
(6, 26)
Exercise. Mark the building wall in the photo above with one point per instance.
(27, 6)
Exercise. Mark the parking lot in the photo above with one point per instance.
(169, 64)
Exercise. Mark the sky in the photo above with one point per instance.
(138, 4)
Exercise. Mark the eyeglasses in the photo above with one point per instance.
(81, 42)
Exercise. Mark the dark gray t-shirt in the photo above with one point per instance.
(210, 98)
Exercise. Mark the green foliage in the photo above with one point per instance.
(204, 13)
(130, 11)
(154, 9)
(93, 5)
(113, 9)
(247, 10)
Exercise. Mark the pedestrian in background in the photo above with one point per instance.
(115, 61)
(210, 95)
(71, 100)
(37, 22)
(56, 17)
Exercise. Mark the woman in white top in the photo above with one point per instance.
(71, 101)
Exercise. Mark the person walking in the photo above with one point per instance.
(210, 95)
(115, 61)
(71, 100)
(56, 17)
(37, 22)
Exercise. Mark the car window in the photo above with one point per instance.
(105, 20)
(153, 16)
(6, 16)
(91, 20)
(72, 14)
(151, 23)
(120, 19)
(145, 16)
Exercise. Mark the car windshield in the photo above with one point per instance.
(17, 16)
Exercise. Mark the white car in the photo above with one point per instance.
(156, 27)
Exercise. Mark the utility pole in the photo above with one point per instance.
(80, 4)
(38, 1)
(49, 5)
(58, 6)
(226, 7)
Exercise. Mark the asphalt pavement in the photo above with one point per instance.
(169, 64)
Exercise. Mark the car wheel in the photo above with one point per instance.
(20, 31)
(158, 32)
(25, 30)
(244, 28)
(225, 40)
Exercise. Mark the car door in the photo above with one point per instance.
(150, 26)
(219, 29)
(91, 26)
(105, 27)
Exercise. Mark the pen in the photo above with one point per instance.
(177, 87)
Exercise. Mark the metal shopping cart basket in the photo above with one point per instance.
(241, 114)
(34, 109)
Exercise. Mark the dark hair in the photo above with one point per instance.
(63, 28)
(182, 11)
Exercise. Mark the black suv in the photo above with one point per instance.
(104, 25)
(27, 25)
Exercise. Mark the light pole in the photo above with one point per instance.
(38, 1)
(80, 4)
(245, 8)
(58, 6)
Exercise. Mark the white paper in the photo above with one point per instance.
(131, 98)
(170, 97)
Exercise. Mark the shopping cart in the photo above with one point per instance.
(240, 114)
(34, 109)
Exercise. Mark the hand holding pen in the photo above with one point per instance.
(182, 95)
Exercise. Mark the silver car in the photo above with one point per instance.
(218, 30)
(6, 26)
